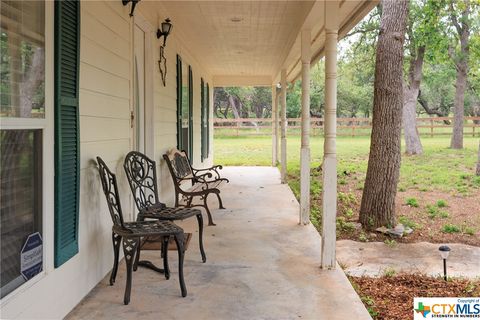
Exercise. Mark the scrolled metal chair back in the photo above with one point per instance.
(142, 178)
(110, 189)
(180, 165)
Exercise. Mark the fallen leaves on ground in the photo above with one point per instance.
(391, 297)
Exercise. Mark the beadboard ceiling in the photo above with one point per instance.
(242, 42)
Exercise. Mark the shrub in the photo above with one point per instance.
(469, 230)
(343, 225)
(389, 272)
(450, 228)
(349, 212)
(408, 223)
(363, 237)
(464, 176)
(432, 211)
(412, 202)
(390, 242)
(347, 198)
(476, 181)
(441, 203)
(444, 214)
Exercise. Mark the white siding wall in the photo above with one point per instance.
(165, 103)
(105, 100)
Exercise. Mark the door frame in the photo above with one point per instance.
(149, 114)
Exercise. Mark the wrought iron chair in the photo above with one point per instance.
(142, 177)
(131, 233)
(181, 171)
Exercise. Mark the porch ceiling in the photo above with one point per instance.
(248, 42)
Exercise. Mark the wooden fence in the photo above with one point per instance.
(345, 126)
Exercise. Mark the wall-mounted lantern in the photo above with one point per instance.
(163, 31)
(134, 3)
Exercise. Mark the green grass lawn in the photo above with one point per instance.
(439, 168)
(440, 173)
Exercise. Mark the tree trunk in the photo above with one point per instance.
(478, 161)
(378, 201)
(29, 87)
(458, 109)
(236, 114)
(412, 139)
(461, 63)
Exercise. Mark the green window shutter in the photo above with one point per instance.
(179, 103)
(202, 121)
(190, 108)
(67, 135)
(208, 121)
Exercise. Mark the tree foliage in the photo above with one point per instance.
(429, 25)
(242, 102)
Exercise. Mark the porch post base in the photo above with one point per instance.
(304, 186)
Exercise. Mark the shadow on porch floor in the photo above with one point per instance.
(261, 265)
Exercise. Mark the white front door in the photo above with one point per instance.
(142, 106)
(139, 89)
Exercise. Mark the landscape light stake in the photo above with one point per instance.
(444, 251)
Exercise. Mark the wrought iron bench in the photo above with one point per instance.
(201, 182)
(131, 233)
(142, 177)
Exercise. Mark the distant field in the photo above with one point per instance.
(361, 132)
(439, 167)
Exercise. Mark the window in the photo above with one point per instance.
(184, 108)
(22, 111)
(204, 123)
(207, 120)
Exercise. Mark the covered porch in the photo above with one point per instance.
(105, 91)
(261, 264)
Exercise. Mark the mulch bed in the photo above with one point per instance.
(391, 297)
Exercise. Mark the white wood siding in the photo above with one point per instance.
(105, 101)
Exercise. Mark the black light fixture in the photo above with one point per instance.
(134, 3)
(165, 30)
(444, 251)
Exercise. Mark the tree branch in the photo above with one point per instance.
(436, 111)
(454, 19)
(362, 31)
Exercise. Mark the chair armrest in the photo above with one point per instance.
(202, 177)
(213, 169)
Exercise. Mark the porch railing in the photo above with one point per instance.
(432, 126)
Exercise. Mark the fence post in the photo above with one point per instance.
(431, 127)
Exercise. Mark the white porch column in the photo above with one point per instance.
(274, 126)
(330, 124)
(283, 116)
(305, 147)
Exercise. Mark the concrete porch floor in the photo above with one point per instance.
(260, 265)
